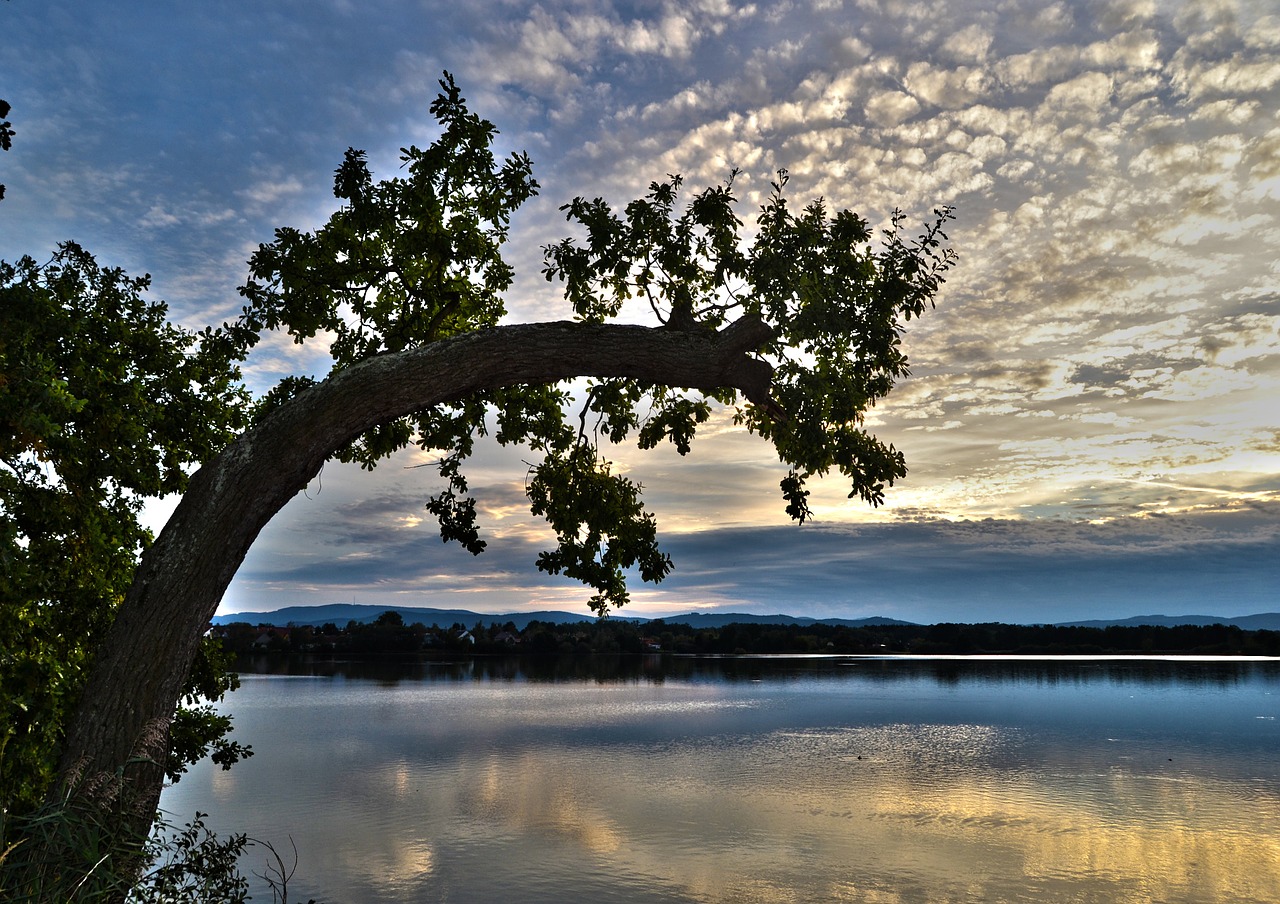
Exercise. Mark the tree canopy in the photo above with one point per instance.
(794, 326)
(416, 259)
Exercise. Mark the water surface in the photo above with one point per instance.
(761, 780)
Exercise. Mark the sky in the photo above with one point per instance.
(1092, 421)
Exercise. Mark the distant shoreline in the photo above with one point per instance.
(389, 636)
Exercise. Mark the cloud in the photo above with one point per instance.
(557, 48)
(891, 108)
(1107, 346)
(952, 89)
(964, 570)
(270, 191)
(926, 570)
(1095, 375)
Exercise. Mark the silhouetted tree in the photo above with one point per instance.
(798, 333)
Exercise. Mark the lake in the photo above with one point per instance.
(776, 779)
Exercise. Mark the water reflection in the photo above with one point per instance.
(664, 780)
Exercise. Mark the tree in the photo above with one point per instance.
(103, 403)
(798, 334)
(389, 619)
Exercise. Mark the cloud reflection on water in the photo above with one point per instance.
(852, 788)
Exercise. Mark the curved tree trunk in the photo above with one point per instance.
(120, 728)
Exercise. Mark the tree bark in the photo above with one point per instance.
(119, 733)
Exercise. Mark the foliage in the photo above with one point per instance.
(6, 134)
(414, 259)
(192, 864)
(187, 863)
(834, 302)
(65, 852)
(198, 730)
(104, 403)
(34, 868)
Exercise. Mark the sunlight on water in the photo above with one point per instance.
(824, 784)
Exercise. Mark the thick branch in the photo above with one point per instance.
(141, 666)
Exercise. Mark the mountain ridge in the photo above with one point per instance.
(341, 613)
(1262, 621)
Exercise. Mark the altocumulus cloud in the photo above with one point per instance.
(1102, 366)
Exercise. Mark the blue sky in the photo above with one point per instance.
(1093, 419)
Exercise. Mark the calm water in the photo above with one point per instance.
(762, 780)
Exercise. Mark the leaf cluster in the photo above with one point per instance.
(6, 133)
(836, 304)
(198, 729)
(601, 528)
(404, 261)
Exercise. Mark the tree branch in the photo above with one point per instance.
(138, 675)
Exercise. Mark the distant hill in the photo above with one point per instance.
(341, 613)
(1265, 621)
(720, 619)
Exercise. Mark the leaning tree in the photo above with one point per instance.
(796, 330)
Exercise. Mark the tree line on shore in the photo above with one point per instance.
(389, 636)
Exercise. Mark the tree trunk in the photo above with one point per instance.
(119, 734)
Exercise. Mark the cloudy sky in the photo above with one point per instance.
(1093, 419)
